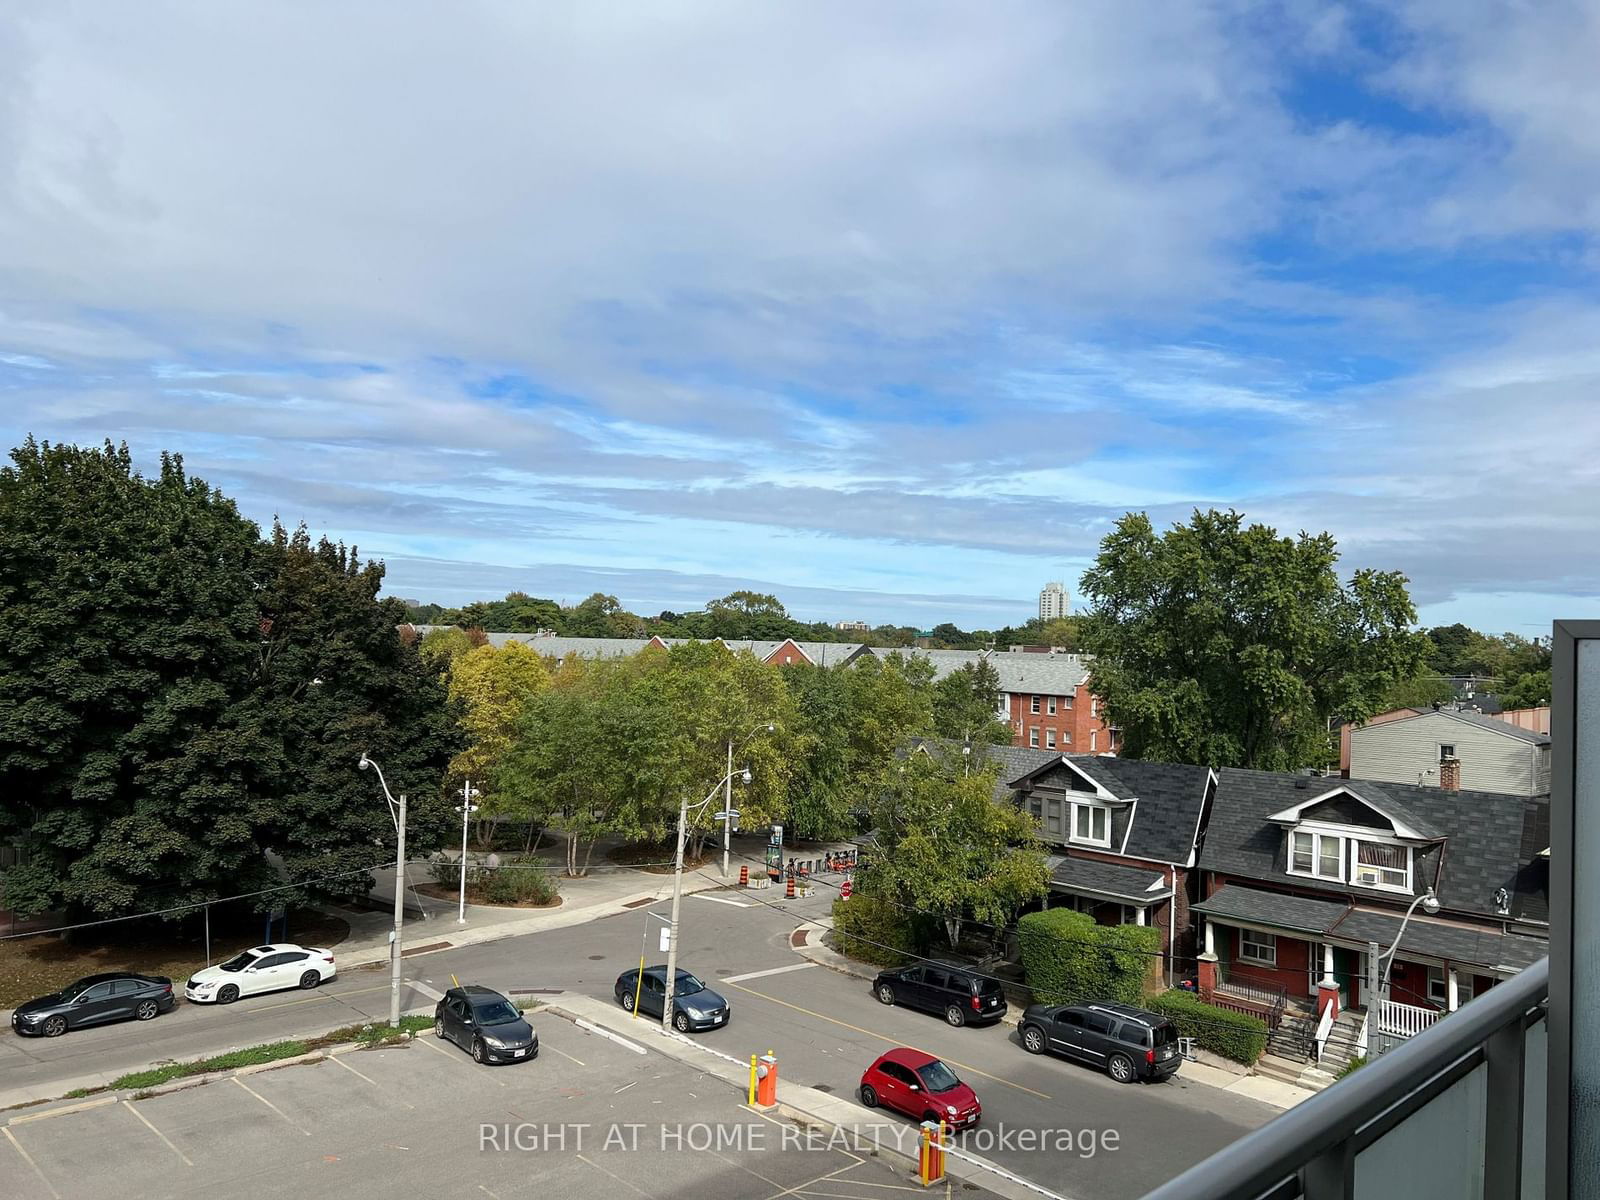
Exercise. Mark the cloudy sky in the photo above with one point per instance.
(889, 308)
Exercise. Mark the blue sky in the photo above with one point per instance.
(890, 309)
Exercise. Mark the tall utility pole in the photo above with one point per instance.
(397, 814)
(726, 815)
(466, 810)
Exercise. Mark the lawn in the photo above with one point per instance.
(44, 963)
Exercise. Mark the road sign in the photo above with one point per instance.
(777, 835)
(666, 938)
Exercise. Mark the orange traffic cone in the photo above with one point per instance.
(788, 891)
(744, 876)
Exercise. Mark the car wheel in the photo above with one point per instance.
(680, 1022)
(147, 1010)
(310, 980)
(627, 1001)
(954, 1016)
(1120, 1068)
(438, 1028)
(885, 994)
(228, 994)
(479, 1054)
(55, 1027)
(869, 1095)
(1033, 1039)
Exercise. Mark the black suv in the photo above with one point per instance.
(962, 996)
(1126, 1042)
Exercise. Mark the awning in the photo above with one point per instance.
(1138, 886)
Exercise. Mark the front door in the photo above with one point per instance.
(1347, 969)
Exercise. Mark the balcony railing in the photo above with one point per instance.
(1417, 1122)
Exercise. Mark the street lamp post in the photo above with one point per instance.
(727, 801)
(1430, 905)
(466, 810)
(397, 814)
(677, 886)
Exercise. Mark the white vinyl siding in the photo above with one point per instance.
(1404, 751)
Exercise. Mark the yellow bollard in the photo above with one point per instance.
(752, 1100)
(930, 1157)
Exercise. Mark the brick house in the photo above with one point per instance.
(1301, 876)
(1126, 836)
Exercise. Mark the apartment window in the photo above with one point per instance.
(1066, 703)
(1094, 706)
(1091, 823)
(1033, 704)
(1258, 947)
(1320, 855)
(1033, 735)
(1049, 739)
(1066, 737)
(1094, 737)
(1383, 866)
(1050, 705)
(1446, 750)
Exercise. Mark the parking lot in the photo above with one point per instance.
(423, 1119)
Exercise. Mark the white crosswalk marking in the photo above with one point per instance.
(769, 971)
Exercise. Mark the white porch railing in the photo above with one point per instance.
(1324, 1026)
(1404, 1020)
(1361, 1038)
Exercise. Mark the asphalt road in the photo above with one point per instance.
(824, 1026)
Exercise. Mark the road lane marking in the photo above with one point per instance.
(607, 1034)
(335, 1059)
(565, 1055)
(432, 993)
(28, 1158)
(722, 900)
(618, 1178)
(769, 971)
(271, 1105)
(810, 1183)
(128, 1104)
(884, 1038)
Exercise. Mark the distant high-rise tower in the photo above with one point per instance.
(1052, 602)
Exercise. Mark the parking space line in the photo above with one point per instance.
(422, 1041)
(333, 1058)
(615, 1176)
(884, 1038)
(801, 966)
(565, 1055)
(813, 1182)
(28, 1158)
(271, 1105)
(128, 1104)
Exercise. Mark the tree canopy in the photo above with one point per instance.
(1223, 644)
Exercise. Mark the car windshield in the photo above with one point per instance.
(73, 990)
(688, 985)
(239, 961)
(937, 1077)
(496, 1012)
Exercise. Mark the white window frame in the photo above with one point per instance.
(1105, 821)
(1318, 837)
(1033, 736)
(1050, 705)
(1033, 705)
(1066, 737)
(1050, 738)
(1438, 978)
(1447, 750)
(1094, 737)
(1378, 881)
(1263, 952)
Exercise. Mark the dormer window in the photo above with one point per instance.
(1319, 855)
(1383, 866)
(1373, 864)
(1091, 823)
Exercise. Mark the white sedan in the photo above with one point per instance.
(261, 969)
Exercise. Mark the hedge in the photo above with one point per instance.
(1068, 959)
(1234, 1035)
(876, 925)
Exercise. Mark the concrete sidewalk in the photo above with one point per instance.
(1210, 1070)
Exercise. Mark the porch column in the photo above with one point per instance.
(1452, 990)
(1328, 986)
(1138, 915)
(1208, 964)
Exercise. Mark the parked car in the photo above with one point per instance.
(920, 1086)
(260, 969)
(1127, 1043)
(963, 997)
(694, 1005)
(484, 1024)
(95, 1000)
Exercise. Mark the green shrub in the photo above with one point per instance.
(864, 927)
(1354, 1065)
(1234, 1035)
(1068, 959)
(515, 885)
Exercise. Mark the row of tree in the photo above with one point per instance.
(738, 616)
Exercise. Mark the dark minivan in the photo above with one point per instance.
(962, 997)
(1126, 1043)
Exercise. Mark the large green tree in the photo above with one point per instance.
(966, 705)
(1226, 645)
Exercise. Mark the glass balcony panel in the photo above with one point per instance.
(1434, 1154)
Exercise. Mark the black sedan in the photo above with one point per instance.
(95, 1000)
(694, 1005)
(485, 1024)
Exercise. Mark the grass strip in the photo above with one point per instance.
(250, 1056)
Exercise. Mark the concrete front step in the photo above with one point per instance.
(1305, 1075)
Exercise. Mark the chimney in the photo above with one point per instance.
(1450, 774)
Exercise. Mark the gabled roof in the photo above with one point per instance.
(1480, 848)
(1404, 822)
(1492, 724)
(1093, 877)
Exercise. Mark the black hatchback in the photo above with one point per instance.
(1125, 1042)
(485, 1024)
(962, 997)
(96, 1000)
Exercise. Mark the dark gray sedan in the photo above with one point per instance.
(485, 1024)
(694, 1005)
(96, 1000)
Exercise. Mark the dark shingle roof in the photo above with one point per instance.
(1272, 908)
(1107, 879)
(1161, 826)
(1481, 853)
